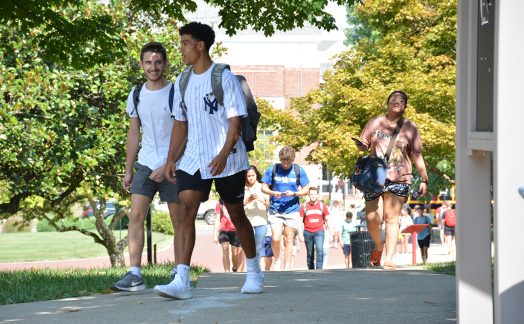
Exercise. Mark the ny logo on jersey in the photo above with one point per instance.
(211, 103)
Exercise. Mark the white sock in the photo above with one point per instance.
(253, 265)
(182, 271)
(135, 271)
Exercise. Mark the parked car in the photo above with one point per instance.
(111, 206)
(206, 211)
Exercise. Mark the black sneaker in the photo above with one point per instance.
(129, 282)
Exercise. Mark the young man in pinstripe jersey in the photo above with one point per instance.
(206, 147)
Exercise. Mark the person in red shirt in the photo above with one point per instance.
(315, 220)
(226, 234)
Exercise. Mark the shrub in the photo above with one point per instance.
(15, 224)
(85, 223)
(121, 225)
(161, 222)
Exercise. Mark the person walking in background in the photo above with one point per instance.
(335, 222)
(266, 254)
(449, 219)
(439, 214)
(255, 205)
(424, 237)
(348, 227)
(151, 114)
(407, 147)
(405, 221)
(206, 147)
(315, 217)
(225, 234)
(284, 182)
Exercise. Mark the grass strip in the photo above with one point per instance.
(443, 267)
(20, 247)
(22, 286)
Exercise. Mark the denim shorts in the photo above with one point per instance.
(399, 189)
(266, 248)
(347, 249)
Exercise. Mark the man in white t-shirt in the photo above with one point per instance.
(152, 114)
(206, 147)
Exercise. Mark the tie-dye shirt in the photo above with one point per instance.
(377, 135)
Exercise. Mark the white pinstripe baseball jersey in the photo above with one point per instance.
(208, 123)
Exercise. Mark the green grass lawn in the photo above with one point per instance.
(16, 247)
(46, 284)
(444, 267)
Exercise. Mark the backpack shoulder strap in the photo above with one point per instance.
(182, 84)
(216, 81)
(297, 173)
(171, 95)
(136, 98)
(273, 174)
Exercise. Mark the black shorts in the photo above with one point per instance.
(424, 242)
(142, 185)
(230, 188)
(449, 231)
(228, 237)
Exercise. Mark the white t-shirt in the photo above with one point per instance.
(156, 124)
(208, 123)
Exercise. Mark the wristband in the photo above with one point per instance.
(424, 181)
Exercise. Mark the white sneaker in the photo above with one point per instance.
(175, 289)
(276, 265)
(254, 283)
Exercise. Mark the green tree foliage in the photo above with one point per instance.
(66, 70)
(84, 32)
(63, 129)
(407, 45)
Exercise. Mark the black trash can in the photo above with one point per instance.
(361, 246)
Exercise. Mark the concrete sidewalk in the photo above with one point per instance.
(326, 296)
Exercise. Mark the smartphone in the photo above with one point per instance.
(358, 142)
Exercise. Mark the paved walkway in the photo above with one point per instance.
(326, 296)
(332, 295)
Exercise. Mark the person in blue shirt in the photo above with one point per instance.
(348, 227)
(424, 236)
(284, 182)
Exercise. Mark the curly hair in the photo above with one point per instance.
(199, 31)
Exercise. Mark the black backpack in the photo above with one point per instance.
(249, 125)
(136, 97)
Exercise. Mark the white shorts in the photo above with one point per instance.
(292, 219)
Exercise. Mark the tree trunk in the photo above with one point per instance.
(116, 253)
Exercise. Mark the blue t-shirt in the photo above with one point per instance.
(422, 220)
(285, 180)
